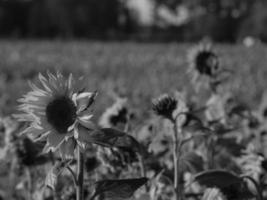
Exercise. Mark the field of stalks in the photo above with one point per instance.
(86, 120)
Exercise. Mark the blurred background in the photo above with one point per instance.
(116, 43)
(142, 20)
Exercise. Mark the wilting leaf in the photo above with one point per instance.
(51, 178)
(217, 178)
(117, 189)
(109, 137)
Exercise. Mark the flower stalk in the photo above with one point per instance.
(167, 107)
(80, 172)
(176, 159)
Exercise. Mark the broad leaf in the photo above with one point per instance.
(217, 178)
(117, 189)
(109, 137)
(51, 177)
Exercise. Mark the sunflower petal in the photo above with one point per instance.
(85, 100)
(42, 136)
(44, 82)
(84, 121)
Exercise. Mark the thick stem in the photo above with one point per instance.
(80, 169)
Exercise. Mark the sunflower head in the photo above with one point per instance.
(118, 113)
(54, 110)
(164, 106)
(204, 60)
(61, 113)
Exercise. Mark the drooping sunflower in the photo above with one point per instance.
(164, 106)
(203, 63)
(172, 108)
(55, 110)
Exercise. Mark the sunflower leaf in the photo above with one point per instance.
(109, 137)
(57, 169)
(217, 178)
(118, 189)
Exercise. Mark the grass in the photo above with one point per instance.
(138, 71)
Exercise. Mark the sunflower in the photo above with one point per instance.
(55, 109)
(203, 63)
(118, 113)
(164, 106)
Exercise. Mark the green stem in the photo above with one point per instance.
(142, 167)
(29, 181)
(210, 152)
(176, 159)
(80, 169)
(73, 176)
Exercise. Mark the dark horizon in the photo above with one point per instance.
(113, 20)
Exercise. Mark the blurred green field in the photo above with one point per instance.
(138, 71)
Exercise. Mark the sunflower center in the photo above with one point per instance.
(61, 114)
(206, 62)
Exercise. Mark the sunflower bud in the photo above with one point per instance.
(164, 106)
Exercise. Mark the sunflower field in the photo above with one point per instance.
(86, 120)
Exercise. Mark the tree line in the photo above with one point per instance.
(220, 20)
